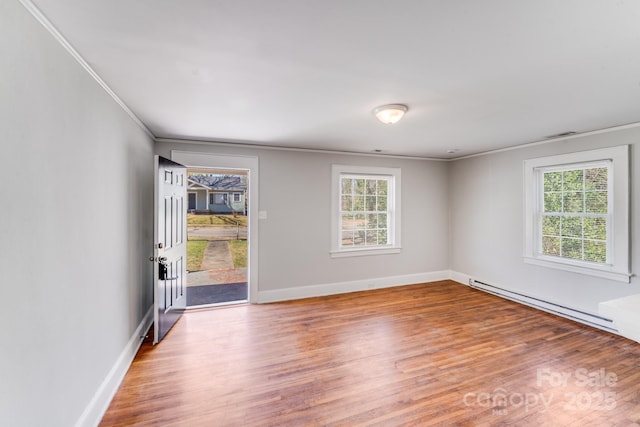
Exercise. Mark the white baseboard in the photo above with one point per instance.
(553, 307)
(99, 404)
(352, 286)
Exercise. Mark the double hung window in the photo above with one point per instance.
(365, 210)
(577, 212)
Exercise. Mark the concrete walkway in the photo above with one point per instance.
(217, 256)
(217, 267)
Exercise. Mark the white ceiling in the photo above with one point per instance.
(476, 75)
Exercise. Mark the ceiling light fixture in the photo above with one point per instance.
(391, 113)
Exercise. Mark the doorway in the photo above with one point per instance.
(232, 163)
(217, 236)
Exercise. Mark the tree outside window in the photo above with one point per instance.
(575, 213)
(364, 219)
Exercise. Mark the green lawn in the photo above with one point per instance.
(238, 253)
(207, 220)
(195, 253)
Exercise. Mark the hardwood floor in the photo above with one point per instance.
(428, 354)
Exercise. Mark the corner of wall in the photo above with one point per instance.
(461, 278)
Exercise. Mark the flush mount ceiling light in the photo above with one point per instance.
(391, 113)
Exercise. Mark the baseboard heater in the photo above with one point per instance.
(550, 307)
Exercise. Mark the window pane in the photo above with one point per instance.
(372, 237)
(596, 179)
(382, 237)
(346, 186)
(382, 203)
(382, 221)
(551, 225)
(371, 203)
(372, 221)
(347, 222)
(358, 203)
(573, 180)
(597, 202)
(382, 187)
(553, 181)
(572, 227)
(574, 201)
(572, 248)
(346, 203)
(347, 238)
(553, 202)
(595, 251)
(371, 187)
(359, 221)
(551, 246)
(358, 187)
(595, 228)
(358, 238)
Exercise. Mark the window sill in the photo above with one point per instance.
(364, 252)
(604, 274)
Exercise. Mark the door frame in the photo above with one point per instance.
(193, 159)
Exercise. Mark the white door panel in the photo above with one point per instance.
(170, 249)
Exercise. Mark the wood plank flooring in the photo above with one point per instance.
(426, 355)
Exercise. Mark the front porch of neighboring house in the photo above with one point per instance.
(205, 199)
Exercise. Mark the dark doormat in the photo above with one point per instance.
(214, 294)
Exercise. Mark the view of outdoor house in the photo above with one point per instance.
(215, 193)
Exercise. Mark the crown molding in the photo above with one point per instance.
(250, 145)
(550, 140)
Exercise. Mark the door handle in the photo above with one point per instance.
(163, 270)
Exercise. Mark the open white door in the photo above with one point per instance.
(170, 245)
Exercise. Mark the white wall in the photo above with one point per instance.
(486, 205)
(75, 228)
(295, 190)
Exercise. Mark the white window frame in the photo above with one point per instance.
(223, 196)
(393, 209)
(617, 266)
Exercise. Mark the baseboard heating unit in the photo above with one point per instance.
(550, 307)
